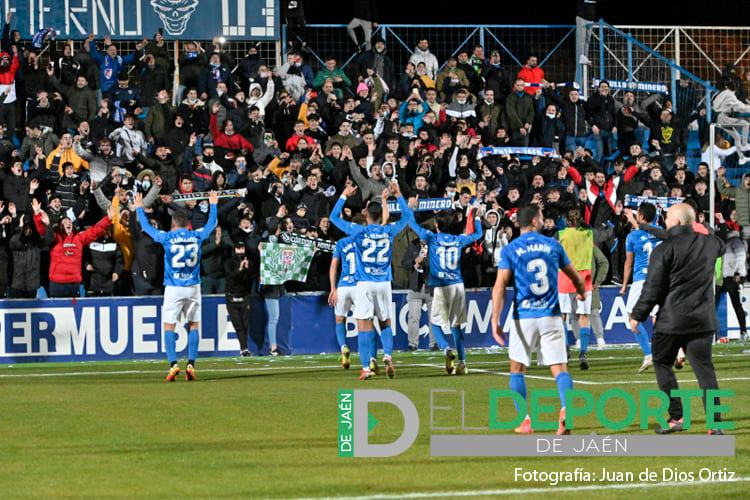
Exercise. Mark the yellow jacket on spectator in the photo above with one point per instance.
(58, 158)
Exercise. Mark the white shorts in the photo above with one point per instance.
(344, 300)
(373, 299)
(582, 307)
(448, 306)
(179, 301)
(634, 294)
(543, 335)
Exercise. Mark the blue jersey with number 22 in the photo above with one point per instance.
(182, 249)
(373, 243)
(534, 260)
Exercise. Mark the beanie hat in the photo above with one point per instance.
(362, 87)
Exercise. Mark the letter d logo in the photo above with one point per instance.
(362, 398)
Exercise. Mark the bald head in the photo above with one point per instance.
(681, 214)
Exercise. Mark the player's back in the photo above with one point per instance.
(374, 248)
(346, 252)
(182, 258)
(641, 243)
(534, 260)
(445, 258)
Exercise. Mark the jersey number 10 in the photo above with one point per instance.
(448, 257)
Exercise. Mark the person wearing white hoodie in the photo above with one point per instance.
(422, 54)
(726, 105)
(256, 97)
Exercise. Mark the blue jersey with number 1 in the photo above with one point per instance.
(373, 243)
(346, 253)
(641, 243)
(182, 249)
(534, 260)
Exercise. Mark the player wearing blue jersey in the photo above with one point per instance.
(182, 278)
(372, 296)
(448, 312)
(638, 247)
(341, 296)
(534, 260)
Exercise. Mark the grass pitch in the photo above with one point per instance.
(267, 428)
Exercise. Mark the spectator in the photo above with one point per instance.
(335, 75)
(26, 245)
(519, 114)
(365, 15)
(103, 259)
(110, 63)
(602, 119)
(212, 262)
(532, 74)
(128, 140)
(376, 62)
(294, 13)
(239, 288)
(422, 54)
(419, 294)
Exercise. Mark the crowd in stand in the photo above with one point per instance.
(86, 128)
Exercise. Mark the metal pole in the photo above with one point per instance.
(630, 61)
(674, 91)
(677, 49)
(278, 50)
(601, 50)
(712, 175)
(481, 37)
(709, 116)
(176, 77)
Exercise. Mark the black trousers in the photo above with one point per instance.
(697, 347)
(732, 288)
(238, 308)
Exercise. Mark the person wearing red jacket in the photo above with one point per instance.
(228, 138)
(299, 134)
(8, 67)
(532, 73)
(66, 253)
(601, 190)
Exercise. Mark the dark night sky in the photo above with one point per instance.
(647, 12)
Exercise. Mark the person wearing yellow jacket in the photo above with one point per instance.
(65, 153)
(121, 227)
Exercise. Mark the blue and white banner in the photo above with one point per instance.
(135, 19)
(654, 88)
(130, 328)
(425, 205)
(516, 151)
(662, 203)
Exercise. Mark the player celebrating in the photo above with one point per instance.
(638, 247)
(534, 261)
(341, 297)
(372, 296)
(182, 278)
(578, 242)
(448, 310)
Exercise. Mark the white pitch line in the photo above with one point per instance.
(524, 491)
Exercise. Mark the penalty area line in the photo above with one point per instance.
(517, 491)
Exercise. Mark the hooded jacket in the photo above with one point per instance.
(264, 99)
(727, 102)
(66, 254)
(429, 60)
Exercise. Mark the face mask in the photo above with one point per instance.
(146, 185)
(551, 115)
(451, 194)
(214, 66)
(203, 206)
(247, 230)
(461, 101)
(239, 255)
(208, 158)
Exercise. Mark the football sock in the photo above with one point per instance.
(458, 339)
(364, 341)
(193, 339)
(564, 383)
(585, 334)
(440, 338)
(570, 338)
(518, 384)
(642, 338)
(170, 344)
(386, 337)
(341, 334)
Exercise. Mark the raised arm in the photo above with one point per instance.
(205, 231)
(155, 234)
(467, 239)
(345, 226)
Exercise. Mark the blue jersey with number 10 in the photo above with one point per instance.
(373, 243)
(346, 253)
(641, 243)
(182, 249)
(534, 260)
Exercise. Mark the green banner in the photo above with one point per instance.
(281, 263)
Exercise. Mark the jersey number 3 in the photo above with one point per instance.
(184, 256)
(538, 268)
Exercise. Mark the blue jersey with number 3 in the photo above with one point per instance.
(182, 249)
(373, 243)
(346, 253)
(641, 243)
(534, 260)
